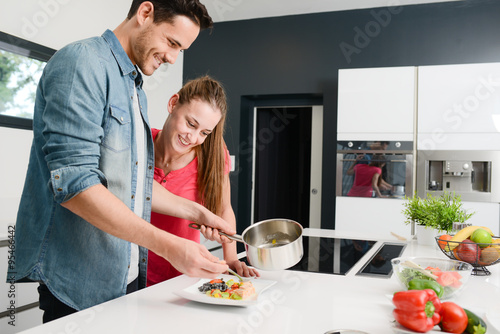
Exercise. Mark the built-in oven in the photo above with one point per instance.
(359, 161)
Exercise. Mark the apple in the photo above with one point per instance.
(481, 237)
(468, 251)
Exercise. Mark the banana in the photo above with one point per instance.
(463, 234)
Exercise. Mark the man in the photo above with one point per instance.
(89, 189)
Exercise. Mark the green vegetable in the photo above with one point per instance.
(236, 296)
(408, 274)
(421, 284)
(476, 325)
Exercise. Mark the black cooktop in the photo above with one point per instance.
(338, 256)
(331, 255)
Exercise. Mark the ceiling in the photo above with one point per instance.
(232, 10)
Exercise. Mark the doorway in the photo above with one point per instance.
(287, 159)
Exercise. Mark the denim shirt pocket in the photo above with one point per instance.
(117, 129)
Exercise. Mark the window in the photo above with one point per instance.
(21, 65)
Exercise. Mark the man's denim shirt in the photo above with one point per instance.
(83, 136)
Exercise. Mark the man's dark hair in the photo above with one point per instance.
(167, 10)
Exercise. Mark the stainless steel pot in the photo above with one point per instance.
(272, 244)
(398, 190)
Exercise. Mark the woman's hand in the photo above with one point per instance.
(242, 269)
(214, 235)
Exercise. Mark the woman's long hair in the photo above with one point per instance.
(379, 161)
(210, 154)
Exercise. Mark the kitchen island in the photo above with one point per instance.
(300, 302)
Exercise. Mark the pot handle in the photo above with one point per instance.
(235, 237)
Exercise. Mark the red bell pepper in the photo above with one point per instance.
(417, 310)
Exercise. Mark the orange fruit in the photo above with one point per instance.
(455, 254)
(443, 240)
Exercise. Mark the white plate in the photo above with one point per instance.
(397, 328)
(493, 317)
(192, 292)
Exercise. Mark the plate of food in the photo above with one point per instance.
(226, 290)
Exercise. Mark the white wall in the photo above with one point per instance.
(55, 23)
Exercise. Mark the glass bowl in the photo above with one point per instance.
(452, 275)
(478, 255)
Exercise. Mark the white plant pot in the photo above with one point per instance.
(426, 236)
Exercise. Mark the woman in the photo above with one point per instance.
(367, 178)
(192, 161)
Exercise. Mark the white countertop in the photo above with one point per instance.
(300, 302)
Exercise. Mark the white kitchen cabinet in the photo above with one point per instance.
(371, 217)
(376, 103)
(459, 107)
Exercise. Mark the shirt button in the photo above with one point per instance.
(133, 196)
(121, 119)
(148, 198)
(134, 73)
(136, 163)
(56, 177)
(59, 189)
(132, 97)
(150, 167)
(143, 260)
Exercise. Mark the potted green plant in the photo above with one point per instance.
(433, 214)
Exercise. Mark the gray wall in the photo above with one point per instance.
(299, 57)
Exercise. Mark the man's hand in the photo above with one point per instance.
(193, 259)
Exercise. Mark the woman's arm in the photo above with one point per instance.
(166, 203)
(350, 171)
(375, 187)
(229, 249)
(384, 185)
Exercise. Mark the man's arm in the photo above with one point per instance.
(98, 206)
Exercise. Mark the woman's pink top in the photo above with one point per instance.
(363, 175)
(181, 182)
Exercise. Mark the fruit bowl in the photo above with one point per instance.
(479, 255)
(452, 275)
